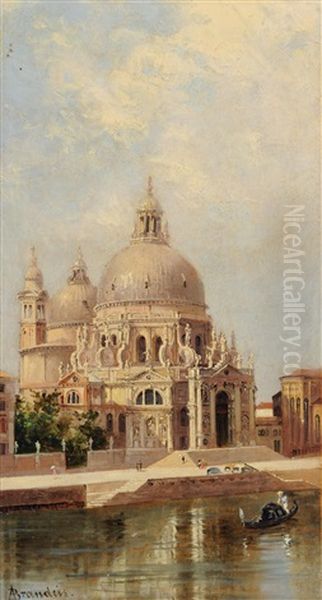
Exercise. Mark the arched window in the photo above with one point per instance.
(198, 344)
(317, 428)
(72, 398)
(103, 341)
(149, 397)
(109, 423)
(157, 346)
(122, 424)
(3, 426)
(292, 406)
(141, 349)
(184, 417)
(298, 405)
(114, 339)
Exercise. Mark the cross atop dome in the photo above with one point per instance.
(150, 225)
(150, 185)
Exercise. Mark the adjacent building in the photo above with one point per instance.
(141, 349)
(299, 406)
(7, 412)
(268, 427)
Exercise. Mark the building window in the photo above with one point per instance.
(184, 417)
(122, 424)
(141, 349)
(2, 387)
(317, 429)
(2, 406)
(292, 405)
(40, 311)
(2, 449)
(109, 423)
(149, 397)
(306, 419)
(114, 339)
(298, 405)
(3, 426)
(157, 346)
(198, 344)
(72, 398)
(103, 341)
(277, 446)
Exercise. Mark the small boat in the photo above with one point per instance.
(271, 514)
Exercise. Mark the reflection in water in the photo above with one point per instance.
(189, 550)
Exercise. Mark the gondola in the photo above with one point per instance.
(272, 514)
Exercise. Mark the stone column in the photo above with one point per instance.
(212, 408)
(192, 410)
(142, 434)
(252, 427)
(237, 402)
(199, 415)
(170, 431)
(129, 430)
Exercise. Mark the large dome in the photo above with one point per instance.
(150, 272)
(75, 302)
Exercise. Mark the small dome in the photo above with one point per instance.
(150, 272)
(75, 302)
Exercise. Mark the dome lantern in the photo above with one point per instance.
(150, 225)
(79, 270)
(33, 277)
(75, 302)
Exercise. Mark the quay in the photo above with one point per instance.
(167, 479)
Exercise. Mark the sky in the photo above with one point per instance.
(217, 101)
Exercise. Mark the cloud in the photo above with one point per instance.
(218, 101)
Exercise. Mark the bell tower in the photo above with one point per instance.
(33, 301)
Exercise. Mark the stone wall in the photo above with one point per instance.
(55, 497)
(23, 464)
(117, 459)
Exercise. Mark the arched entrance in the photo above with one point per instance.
(222, 419)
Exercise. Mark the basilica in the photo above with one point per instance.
(141, 349)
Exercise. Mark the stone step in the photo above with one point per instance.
(102, 493)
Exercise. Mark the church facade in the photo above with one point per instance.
(141, 349)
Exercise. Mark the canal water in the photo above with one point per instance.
(187, 550)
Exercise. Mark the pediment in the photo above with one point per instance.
(72, 378)
(150, 375)
(232, 370)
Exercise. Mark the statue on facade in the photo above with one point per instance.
(90, 444)
(251, 361)
(239, 360)
(73, 361)
(222, 343)
(16, 445)
(209, 357)
(150, 426)
(187, 334)
(63, 445)
(61, 369)
(148, 356)
(37, 446)
(136, 433)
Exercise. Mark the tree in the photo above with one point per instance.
(46, 423)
